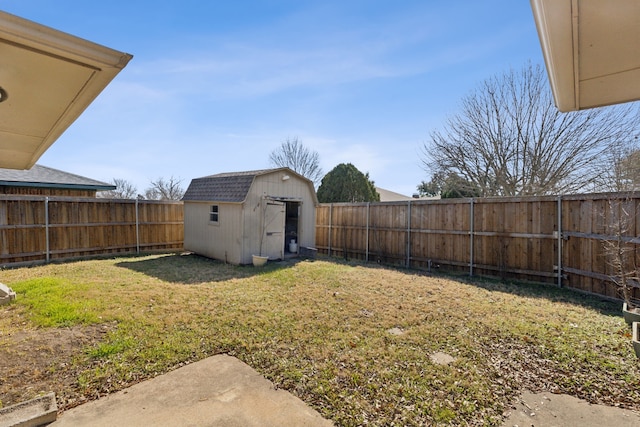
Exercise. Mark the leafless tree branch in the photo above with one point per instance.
(509, 139)
(294, 155)
(165, 189)
(124, 190)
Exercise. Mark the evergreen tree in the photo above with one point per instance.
(345, 183)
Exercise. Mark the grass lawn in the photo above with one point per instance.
(320, 329)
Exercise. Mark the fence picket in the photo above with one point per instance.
(39, 229)
(544, 239)
(556, 240)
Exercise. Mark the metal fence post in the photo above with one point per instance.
(559, 241)
(471, 238)
(330, 223)
(137, 228)
(46, 228)
(408, 233)
(367, 237)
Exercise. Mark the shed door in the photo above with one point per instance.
(274, 218)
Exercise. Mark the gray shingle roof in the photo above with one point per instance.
(221, 189)
(45, 177)
(224, 187)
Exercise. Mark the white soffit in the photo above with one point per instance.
(591, 49)
(48, 78)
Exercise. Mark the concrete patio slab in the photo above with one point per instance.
(218, 391)
(560, 410)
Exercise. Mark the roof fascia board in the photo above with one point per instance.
(557, 24)
(105, 62)
(57, 43)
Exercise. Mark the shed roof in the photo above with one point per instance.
(45, 177)
(231, 187)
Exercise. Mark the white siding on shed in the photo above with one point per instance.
(237, 236)
(272, 185)
(202, 236)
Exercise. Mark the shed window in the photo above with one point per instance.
(213, 214)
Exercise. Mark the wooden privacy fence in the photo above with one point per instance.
(544, 239)
(36, 229)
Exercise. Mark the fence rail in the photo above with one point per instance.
(38, 229)
(556, 240)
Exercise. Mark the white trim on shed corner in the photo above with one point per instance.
(49, 78)
(591, 50)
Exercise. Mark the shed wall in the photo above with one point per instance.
(272, 185)
(222, 241)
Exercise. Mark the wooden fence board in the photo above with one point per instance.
(78, 227)
(511, 237)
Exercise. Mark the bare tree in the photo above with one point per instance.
(509, 139)
(295, 156)
(162, 189)
(124, 190)
(620, 247)
(621, 171)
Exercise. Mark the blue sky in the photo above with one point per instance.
(215, 86)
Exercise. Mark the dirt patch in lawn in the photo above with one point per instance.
(43, 358)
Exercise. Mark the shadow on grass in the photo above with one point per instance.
(190, 269)
(601, 304)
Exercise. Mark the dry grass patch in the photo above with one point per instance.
(321, 330)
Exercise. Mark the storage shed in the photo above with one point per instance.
(233, 216)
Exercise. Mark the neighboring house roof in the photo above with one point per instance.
(45, 177)
(591, 51)
(390, 196)
(231, 187)
(47, 79)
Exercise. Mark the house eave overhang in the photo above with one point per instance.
(590, 48)
(48, 78)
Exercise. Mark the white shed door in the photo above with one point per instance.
(274, 218)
